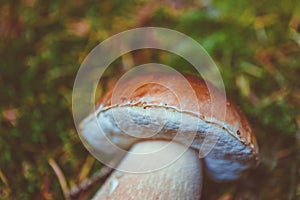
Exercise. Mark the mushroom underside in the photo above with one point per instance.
(226, 157)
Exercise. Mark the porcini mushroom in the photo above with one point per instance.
(234, 151)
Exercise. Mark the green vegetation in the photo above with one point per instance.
(256, 45)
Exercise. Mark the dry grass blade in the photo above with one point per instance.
(86, 168)
(4, 193)
(60, 176)
(101, 175)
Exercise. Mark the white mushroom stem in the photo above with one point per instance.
(181, 179)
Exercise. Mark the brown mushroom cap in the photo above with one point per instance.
(235, 150)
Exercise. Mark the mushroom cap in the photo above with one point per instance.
(160, 108)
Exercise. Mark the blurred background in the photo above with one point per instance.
(256, 45)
